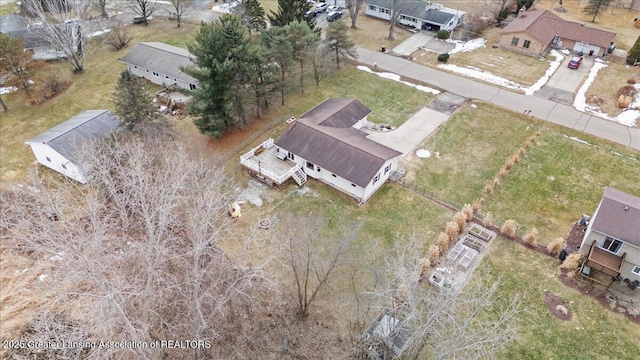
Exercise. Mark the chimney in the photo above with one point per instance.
(291, 122)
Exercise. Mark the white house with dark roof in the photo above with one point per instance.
(59, 147)
(612, 239)
(326, 144)
(419, 14)
(16, 26)
(161, 64)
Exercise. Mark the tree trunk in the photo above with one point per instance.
(4, 106)
(301, 77)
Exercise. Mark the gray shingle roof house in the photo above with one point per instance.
(58, 148)
(19, 27)
(328, 144)
(612, 239)
(534, 32)
(160, 63)
(417, 13)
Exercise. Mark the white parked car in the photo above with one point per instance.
(321, 7)
(333, 8)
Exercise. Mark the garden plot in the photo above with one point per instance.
(462, 259)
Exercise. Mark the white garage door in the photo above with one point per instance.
(586, 48)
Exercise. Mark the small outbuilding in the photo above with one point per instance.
(59, 147)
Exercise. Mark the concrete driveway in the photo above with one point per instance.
(570, 79)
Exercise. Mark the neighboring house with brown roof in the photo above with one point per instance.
(612, 239)
(161, 64)
(328, 144)
(535, 32)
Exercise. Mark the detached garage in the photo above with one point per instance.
(59, 147)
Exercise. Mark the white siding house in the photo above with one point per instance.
(327, 144)
(612, 239)
(58, 148)
(419, 14)
(161, 64)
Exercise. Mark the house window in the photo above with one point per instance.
(354, 185)
(64, 167)
(372, 8)
(386, 170)
(526, 44)
(515, 41)
(334, 175)
(386, 11)
(611, 244)
(49, 160)
(156, 74)
(291, 156)
(310, 165)
(192, 86)
(636, 270)
(376, 178)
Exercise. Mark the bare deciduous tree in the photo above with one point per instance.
(119, 36)
(354, 7)
(102, 6)
(438, 324)
(64, 25)
(397, 7)
(179, 8)
(143, 8)
(312, 256)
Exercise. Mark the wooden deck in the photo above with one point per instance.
(604, 261)
(262, 162)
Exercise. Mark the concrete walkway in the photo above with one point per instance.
(545, 109)
(412, 132)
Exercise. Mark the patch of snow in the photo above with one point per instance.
(467, 46)
(553, 66)
(474, 106)
(58, 256)
(482, 75)
(97, 33)
(8, 89)
(577, 139)
(565, 51)
(423, 153)
(225, 8)
(396, 77)
(43, 277)
(627, 117)
(252, 193)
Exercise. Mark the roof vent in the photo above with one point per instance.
(290, 122)
(626, 208)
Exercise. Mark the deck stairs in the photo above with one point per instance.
(299, 176)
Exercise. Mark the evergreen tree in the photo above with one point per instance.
(221, 51)
(252, 15)
(595, 7)
(290, 11)
(337, 41)
(279, 50)
(634, 53)
(134, 104)
(304, 42)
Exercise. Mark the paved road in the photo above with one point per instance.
(545, 109)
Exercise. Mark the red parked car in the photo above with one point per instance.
(575, 62)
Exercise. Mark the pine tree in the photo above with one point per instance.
(595, 7)
(634, 53)
(337, 41)
(134, 104)
(304, 42)
(279, 50)
(290, 11)
(221, 52)
(255, 15)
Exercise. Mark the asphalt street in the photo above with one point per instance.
(542, 108)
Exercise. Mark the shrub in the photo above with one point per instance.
(119, 37)
(502, 14)
(488, 220)
(515, 158)
(508, 164)
(460, 219)
(442, 34)
(424, 264)
(443, 58)
(53, 85)
(531, 237)
(476, 205)
(402, 293)
(521, 151)
(443, 243)
(571, 264)
(555, 247)
(503, 172)
(496, 182)
(468, 211)
(509, 228)
(528, 143)
(452, 231)
(631, 81)
(434, 254)
(488, 189)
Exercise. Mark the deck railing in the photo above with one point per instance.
(267, 144)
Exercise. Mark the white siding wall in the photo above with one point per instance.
(377, 11)
(55, 161)
(161, 79)
(631, 260)
(384, 176)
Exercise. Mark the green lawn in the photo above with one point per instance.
(556, 180)
(593, 332)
